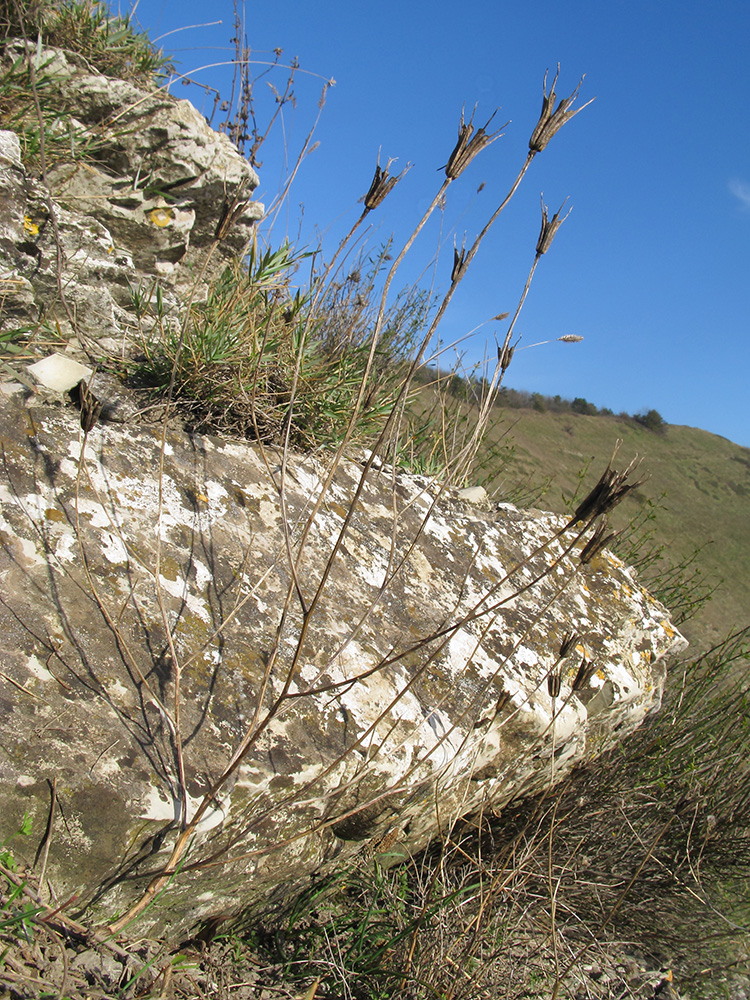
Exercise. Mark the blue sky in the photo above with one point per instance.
(651, 268)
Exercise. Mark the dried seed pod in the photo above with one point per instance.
(469, 145)
(586, 671)
(569, 641)
(382, 185)
(505, 356)
(90, 407)
(608, 492)
(231, 210)
(552, 119)
(553, 685)
(549, 229)
(598, 541)
(459, 265)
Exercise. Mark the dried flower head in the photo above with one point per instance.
(571, 338)
(459, 263)
(505, 356)
(586, 671)
(569, 641)
(599, 540)
(553, 685)
(549, 228)
(608, 492)
(382, 185)
(552, 119)
(469, 144)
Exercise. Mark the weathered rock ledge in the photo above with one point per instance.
(136, 211)
(193, 630)
(407, 688)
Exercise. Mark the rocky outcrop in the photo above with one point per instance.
(167, 612)
(236, 669)
(136, 210)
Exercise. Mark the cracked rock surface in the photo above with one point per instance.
(410, 688)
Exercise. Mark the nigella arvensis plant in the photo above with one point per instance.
(553, 118)
(549, 228)
(612, 487)
(469, 145)
(382, 185)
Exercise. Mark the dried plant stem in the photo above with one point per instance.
(167, 625)
(400, 398)
(559, 979)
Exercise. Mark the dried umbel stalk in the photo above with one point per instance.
(552, 118)
(382, 185)
(469, 145)
(548, 231)
(608, 492)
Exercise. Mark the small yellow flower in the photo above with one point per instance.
(29, 226)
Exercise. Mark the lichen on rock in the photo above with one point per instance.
(410, 691)
(203, 633)
(143, 210)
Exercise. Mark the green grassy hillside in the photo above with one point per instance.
(699, 482)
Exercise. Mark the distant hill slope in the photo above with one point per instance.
(705, 479)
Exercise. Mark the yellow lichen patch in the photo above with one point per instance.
(30, 226)
(668, 629)
(170, 570)
(54, 514)
(161, 217)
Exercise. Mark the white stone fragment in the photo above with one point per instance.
(473, 494)
(59, 373)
